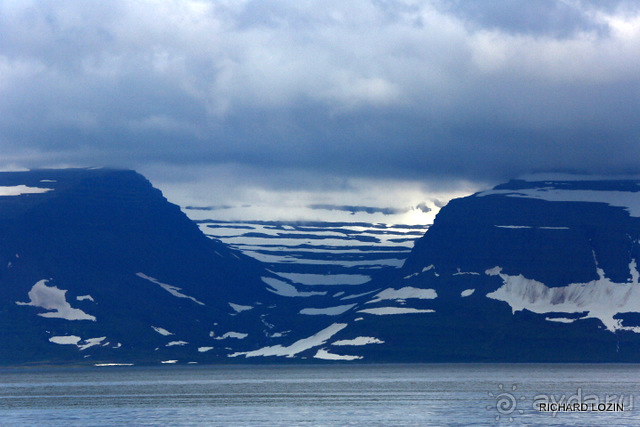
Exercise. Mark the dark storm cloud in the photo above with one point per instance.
(424, 90)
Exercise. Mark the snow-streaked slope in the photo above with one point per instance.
(103, 257)
(314, 301)
(316, 253)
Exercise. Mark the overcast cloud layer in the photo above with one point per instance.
(426, 91)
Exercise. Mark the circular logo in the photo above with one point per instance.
(506, 403)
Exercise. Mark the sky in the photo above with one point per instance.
(284, 108)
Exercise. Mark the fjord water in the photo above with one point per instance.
(447, 394)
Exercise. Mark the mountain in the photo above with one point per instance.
(543, 270)
(97, 267)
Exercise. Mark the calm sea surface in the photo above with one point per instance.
(359, 395)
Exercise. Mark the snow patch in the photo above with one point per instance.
(394, 310)
(173, 290)
(359, 341)
(325, 355)
(67, 339)
(174, 343)
(601, 299)
(467, 292)
(403, 294)
(17, 190)
(560, 319)
(329, 311)
(493, 271)
(90, 342)
(162, 331)
(460, 273)
(240, 308)
(431, 267)
(52, 298)
(236, 335)
(299, 346)
(77, 341)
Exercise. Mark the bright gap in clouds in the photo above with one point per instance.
(225, 194)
